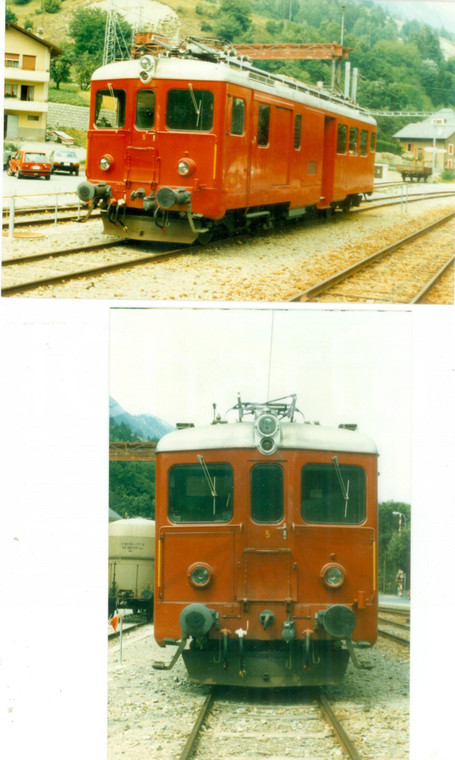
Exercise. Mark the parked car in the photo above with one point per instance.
(64, 161)
(29, 163)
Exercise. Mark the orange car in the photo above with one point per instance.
(29, 163)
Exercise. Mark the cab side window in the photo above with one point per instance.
(238, 116)
(263, 125)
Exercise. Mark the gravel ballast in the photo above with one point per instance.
(271, 267)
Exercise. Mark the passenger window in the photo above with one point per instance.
(145, 109)
(263, 125)
(373, 142)
(297, 130)
(110, 109)
(267, 493)
(238, 116)
(201, 493)
(363, 142)
(332, 493)
(341, 138)
(190, 110)
(353, 134)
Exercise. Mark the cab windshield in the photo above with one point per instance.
(190, 109)
(333, 493)
(201, 492)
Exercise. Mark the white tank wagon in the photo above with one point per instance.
(132, 565)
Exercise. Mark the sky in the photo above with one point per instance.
(344, 366)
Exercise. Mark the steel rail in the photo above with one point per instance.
(405, 626)
(64, 252)
(33, 284)
(190, 742)
(321, 287)
(399, 639)
(426, 288)
(332, 719)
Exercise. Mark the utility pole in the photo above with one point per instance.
(109, 35)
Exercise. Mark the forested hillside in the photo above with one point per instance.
(401, 64)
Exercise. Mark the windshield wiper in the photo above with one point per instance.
(344, 489)
(211, 483)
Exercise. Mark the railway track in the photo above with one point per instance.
(17, 266)
(291, 723)
(402, 272)
(395, 625)
(43, 216)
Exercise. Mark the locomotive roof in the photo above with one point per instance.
(294, 435)
(235, 72)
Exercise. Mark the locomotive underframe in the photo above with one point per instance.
(261, 664)
(184, 227)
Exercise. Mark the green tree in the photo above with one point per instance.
(60, 69)
(233, 19)
(10, 16)
(87, 31)
(394, 550)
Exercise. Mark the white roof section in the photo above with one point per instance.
(441, 125)
(189, 69)
(294, 435)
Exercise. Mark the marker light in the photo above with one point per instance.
(200, 575)
(333, 575)
(106, 162)
(186, 166)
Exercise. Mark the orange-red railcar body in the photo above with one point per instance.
(266, 548)
(182, 146)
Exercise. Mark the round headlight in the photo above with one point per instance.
(333, 575)
(147, 63)
(200, 575)
(106, 162)
(183, 168)
(267, 424)
(186, 166)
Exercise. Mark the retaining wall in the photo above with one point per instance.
(62, 115)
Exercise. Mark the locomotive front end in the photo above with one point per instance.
(152, 150)
(266, 549)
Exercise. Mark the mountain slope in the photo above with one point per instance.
(144, 426)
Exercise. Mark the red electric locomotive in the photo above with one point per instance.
(196, 140)
(266, 548)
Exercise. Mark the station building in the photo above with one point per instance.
(26, 83)
(432, 140)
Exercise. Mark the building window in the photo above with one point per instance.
(450, 149)
(32, 117)
(11, 61)
(29, 62)
(27, 92)
(11, 90)
(450, 164)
